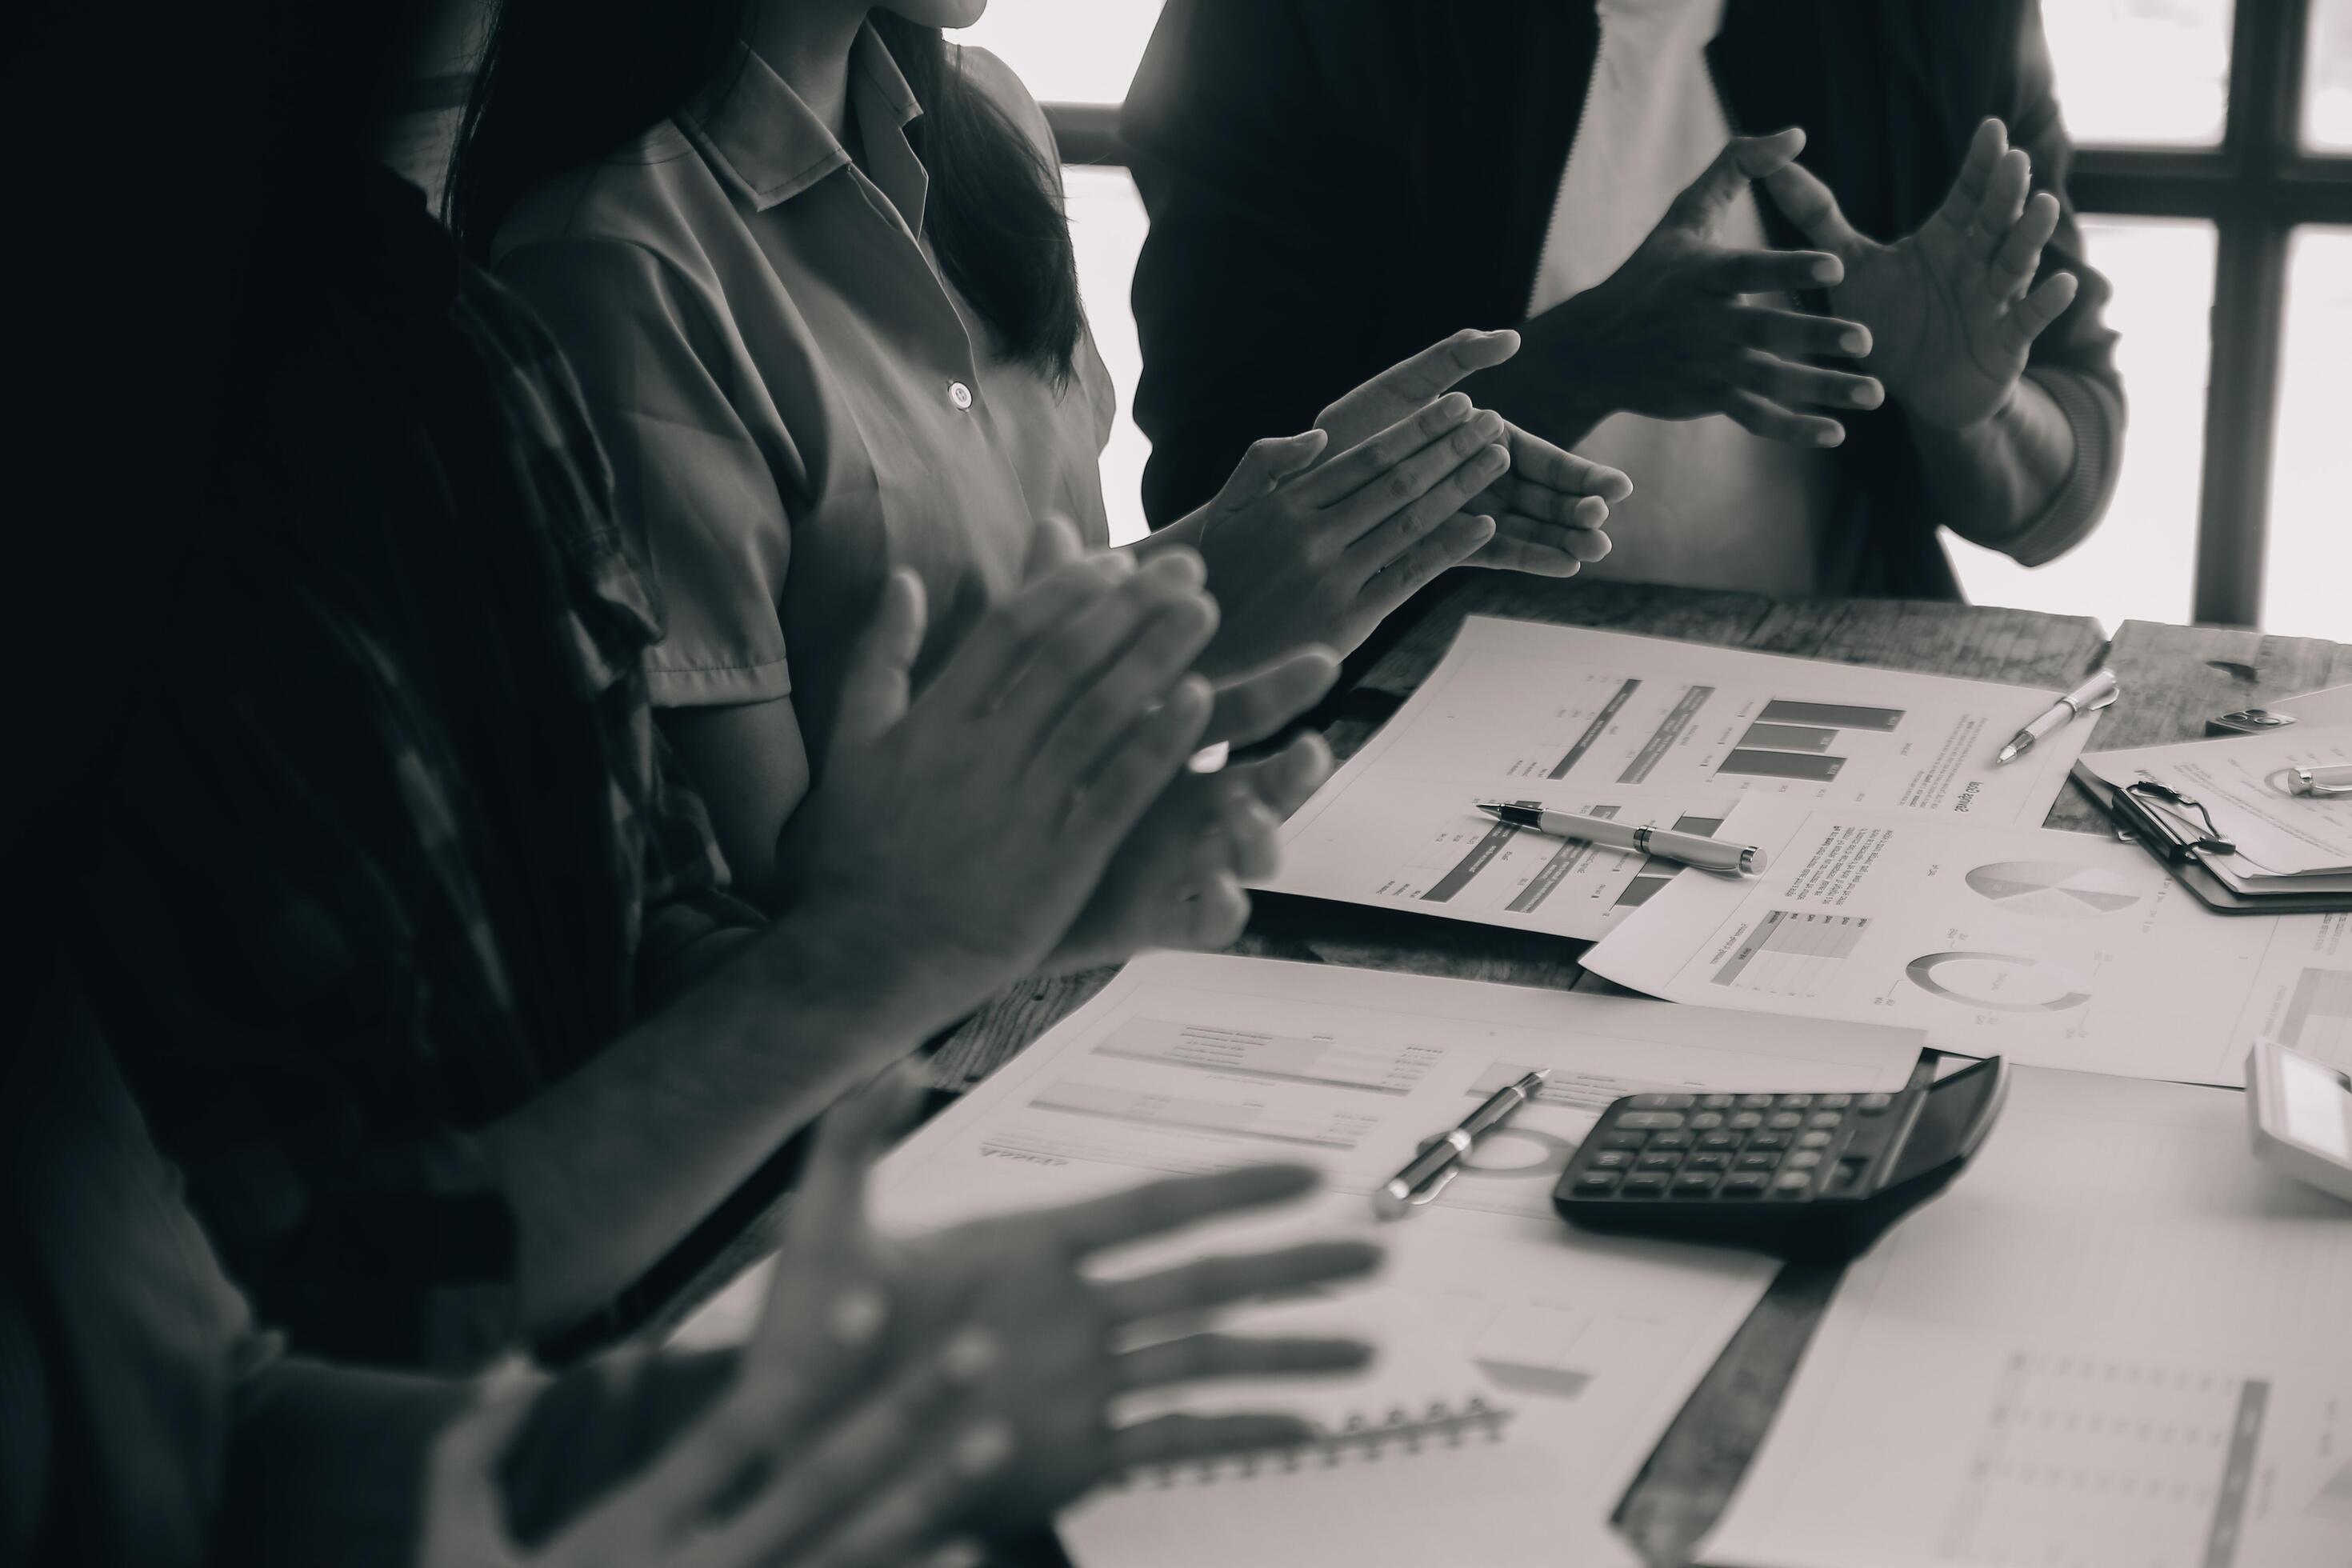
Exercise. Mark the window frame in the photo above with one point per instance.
(2256, 188)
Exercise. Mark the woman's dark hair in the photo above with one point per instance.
(564, 82)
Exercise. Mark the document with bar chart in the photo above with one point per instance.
(2066, 950)
(2116, 1342)
(1642, 730)
(1194, 1063)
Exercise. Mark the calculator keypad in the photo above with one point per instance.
(1774, 1147)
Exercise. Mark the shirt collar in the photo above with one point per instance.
(764, 141)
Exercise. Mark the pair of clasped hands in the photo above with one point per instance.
(1030, 808)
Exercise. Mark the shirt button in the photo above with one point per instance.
(959, 394)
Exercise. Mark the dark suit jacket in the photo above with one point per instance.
(1334, 184)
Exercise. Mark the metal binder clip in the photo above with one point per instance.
(2163, 814)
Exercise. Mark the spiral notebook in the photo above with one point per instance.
(1418, 1460)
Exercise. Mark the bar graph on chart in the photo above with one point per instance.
(1793, 954)
(1805, 740)
(2135, 1462)
(1389, 1069)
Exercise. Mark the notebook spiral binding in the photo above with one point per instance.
(1400, 1435)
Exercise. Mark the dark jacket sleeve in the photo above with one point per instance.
(2074, 359)
(1249, 308)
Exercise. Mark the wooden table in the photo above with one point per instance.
(2173, 678)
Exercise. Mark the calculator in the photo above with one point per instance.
(1804, 1176)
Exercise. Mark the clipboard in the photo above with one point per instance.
(2135, 823)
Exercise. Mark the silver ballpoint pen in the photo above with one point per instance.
(1428, 1171)
(2088, 698)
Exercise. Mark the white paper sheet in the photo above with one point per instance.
(1644, 730)
(1421, 1460)
(2331, 706)
(2116, 1341)
(1201, 1063)
(2058, 948)
(2241, 779)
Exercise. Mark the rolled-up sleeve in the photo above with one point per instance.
(694, 490)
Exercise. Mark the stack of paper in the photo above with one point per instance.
(2059, 949)
(1201, 1063)
(1647, 733)
(2116, 1342)
(2285, 842)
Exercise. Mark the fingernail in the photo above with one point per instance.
(1856, 343)
(858, 1317)
(1455, 404)
(1870, 395)
(983, 1449)
(1827, 271)
(1828, 438)
(969, 1354)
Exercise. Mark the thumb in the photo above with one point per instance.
(1744, 158)
(1265, 465)
(876, 689)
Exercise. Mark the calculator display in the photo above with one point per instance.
(2318, 1105)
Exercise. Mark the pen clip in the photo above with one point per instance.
(1427, 1191)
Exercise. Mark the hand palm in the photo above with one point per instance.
(1939, 337)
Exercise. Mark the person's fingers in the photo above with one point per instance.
(1094, 1224)
(919, 1506)
(1424, 375)
(1253, 706)
(1542, 548)
(1808, 203)
(1373, 458)
(2032, 315)
(1265, 465)
(1005, 639)
(1124, 683)
(876, 690)
(1181, 1439)
(2012, 269)
(1225, 1278)
(1537, 462)
(1283, 782)
(1388, 534)
(1141, 763)
(1761, 416)
(828, 1207)
(1060, 662)
(1798, 334)
(1197, 1358)
(1217, 913)
(1985, 148)
(1054, 545)
(1735, 272)
(1744, 158)
(1254, 839)
(2003, 201)
(1456, 540)
(858, 1469)
(1803, 386)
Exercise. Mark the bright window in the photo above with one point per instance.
(2141, 563)
(2307, 591)
(1068, 51)
(1107, 225)
(2141, 73)
(2328, 86)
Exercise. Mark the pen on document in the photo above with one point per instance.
(1690, 848)
(2088, 698)
(2322, 781)
(1396, 1196)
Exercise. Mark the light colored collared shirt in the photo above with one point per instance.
(1713, 506)
(795, 399)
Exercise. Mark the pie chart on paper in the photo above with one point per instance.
(2053, 888)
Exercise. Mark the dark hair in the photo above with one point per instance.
(564, 82)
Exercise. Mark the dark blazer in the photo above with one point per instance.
(1336, 183)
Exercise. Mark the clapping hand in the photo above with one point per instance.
(1549, 510)
(1059, 1333)
(1671, 335)
(1953, 308)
